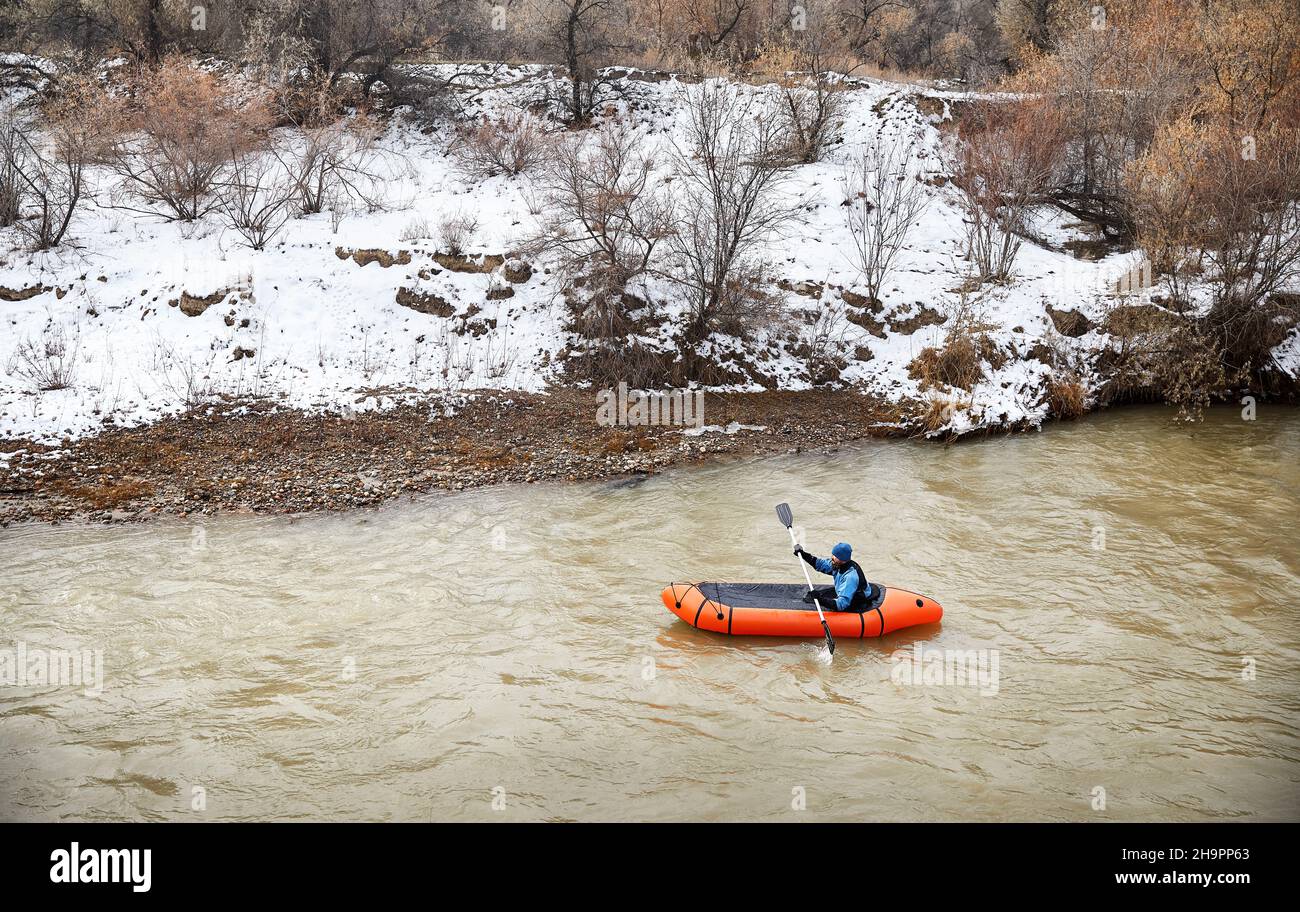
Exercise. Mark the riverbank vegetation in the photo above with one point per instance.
(984, 214)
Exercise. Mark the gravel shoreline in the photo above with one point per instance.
(255, 458)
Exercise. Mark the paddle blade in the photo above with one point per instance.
(830, 640)
(783, 513)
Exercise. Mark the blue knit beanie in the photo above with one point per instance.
(843, 551)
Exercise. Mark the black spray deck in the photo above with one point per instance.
(788, 596)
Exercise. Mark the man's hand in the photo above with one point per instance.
(798, 549)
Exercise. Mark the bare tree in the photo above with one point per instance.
(581, 32)
(359, 40)
(604, 220)
(456, 231)
(88, 29)
(1027, 23)
(811, 109)
(1004, 168)
(716, 21)
(861, 20)
(50, 169)
(12, 130)
(886, 199)
(728, 207)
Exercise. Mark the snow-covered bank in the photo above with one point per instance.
(141, 318)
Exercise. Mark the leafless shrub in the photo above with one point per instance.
(429, 94)
(822, 345)
(1191, 371)
(635, 361)
(811, 117)
(416, 230)
(332, 161)
(54, 189)
(1205, 212)
(456, 367)
(464, 359)
(184, 377)
(1162, 186)
(499, 356)
(1155, 354)
(172, 151)
(518, 143)
(885, 201)
(727, 208)
(338, 209)
(1004, 168)
(269, 48)
(457, 232)
(48, 363)
(1129, 364)
(256, 198)
(371, 360)
(1251, 213)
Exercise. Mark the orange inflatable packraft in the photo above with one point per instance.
(778, 609)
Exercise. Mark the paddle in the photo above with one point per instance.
(787, 518)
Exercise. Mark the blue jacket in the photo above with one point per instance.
(846, 582)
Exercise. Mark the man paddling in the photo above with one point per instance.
(851, 591)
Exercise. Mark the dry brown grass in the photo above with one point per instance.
(1066, 397)
(967, 344)
(940, 411)
(936, 415)
(616, 442)
(991, 352)
(956, 364)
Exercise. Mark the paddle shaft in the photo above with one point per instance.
(804, 565)
(786, 516)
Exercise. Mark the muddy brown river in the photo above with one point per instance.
(1129, 591)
